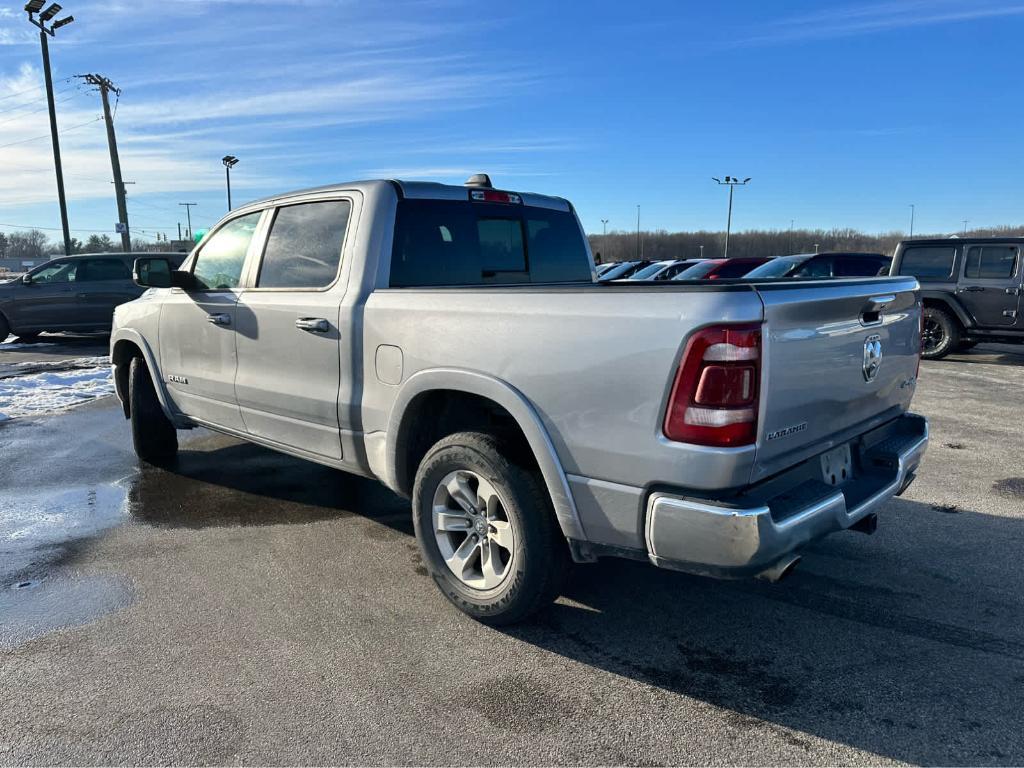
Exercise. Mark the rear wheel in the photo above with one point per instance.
(487, 531)
(153, 436)
(940, 333)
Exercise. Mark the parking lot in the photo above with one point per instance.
(247, 607)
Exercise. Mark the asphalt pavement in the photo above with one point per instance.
(247, 607)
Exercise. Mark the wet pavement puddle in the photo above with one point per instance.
(39, 533)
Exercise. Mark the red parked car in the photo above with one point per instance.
(717, 269)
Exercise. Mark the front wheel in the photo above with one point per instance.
(153, 435)
(487, 531)
(940, 333)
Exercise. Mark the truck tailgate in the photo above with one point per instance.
(839, 358)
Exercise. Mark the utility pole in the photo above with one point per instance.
(32, 7)
(791, 235)
(230, 161)
(188, 213)
(911, 220)
(179, 231)
(105, 86)
(732, 182)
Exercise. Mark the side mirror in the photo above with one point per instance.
(152, 272)
(26, 279)
(184, 280)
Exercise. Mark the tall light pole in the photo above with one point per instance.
(911, 220)
(791, 235)
(188, 213)
(731, 182)
(32, 7)
(229, 162)
(604, 227)
(965, 225)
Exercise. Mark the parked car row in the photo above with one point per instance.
(811, 265)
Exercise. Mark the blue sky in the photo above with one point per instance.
(844, 113)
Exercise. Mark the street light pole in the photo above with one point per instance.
(965, 225)
(230, 161)
(32, 8)
(732, 182)
(911, 220)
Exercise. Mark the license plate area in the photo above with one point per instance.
(837, 465)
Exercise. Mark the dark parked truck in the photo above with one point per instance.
(971, 289)
(453, 343)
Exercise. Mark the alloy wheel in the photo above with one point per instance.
(472, 530)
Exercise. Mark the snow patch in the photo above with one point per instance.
(40, 393)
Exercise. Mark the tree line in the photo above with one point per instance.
(661, 245)
(34, 245)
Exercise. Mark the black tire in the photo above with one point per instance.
(941, 333)
(154, 437)
(536, 571)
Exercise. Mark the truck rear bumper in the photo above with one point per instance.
(751, 532)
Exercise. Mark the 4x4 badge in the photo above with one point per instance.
(872, 356)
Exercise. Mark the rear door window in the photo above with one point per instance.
(934, 262)
(304, 246)
(92, 270)
(454, 242)
(990, 262)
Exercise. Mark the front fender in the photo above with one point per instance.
(948, 301)
(131, 336)
(513, 401)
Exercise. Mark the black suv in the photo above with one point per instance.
(971, 288)
(71, 293)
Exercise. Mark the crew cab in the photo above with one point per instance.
(454, 343)
(971, 289)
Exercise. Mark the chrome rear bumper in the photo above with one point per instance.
(747, 534)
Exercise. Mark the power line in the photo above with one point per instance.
(31, 104)
(33, 111)
(46, 136)
(29, 90)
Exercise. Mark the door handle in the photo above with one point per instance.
(972, 289)
(220, 319)
(314, 324)
(1013, 291)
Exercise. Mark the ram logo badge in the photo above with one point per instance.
(872, 356)
(175, 379)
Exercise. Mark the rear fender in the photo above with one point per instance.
(521, 410)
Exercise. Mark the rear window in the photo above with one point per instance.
(860, 266)
(929, 261)
(990, 262)
(454, 242)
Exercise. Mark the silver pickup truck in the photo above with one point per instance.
(453, 343)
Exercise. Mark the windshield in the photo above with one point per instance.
(697, 271)
(779, 267)
(650, 271)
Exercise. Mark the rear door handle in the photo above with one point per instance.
(314, 324)
(221, 319)
(1013, 291)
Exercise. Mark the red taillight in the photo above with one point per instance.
(494, 196)
(714, 398)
